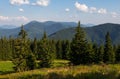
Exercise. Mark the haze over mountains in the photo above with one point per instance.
(65, 30)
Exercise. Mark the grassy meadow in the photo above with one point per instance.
(60, 70)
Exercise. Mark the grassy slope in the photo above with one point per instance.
(65, 72)
(6, 67)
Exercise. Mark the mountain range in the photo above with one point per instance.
(36, 29)
(95, 34)
(66, 30)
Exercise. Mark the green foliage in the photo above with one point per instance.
(34, 48)
(31, 61)
(53, 48)
(67, 49)
(78, 47)
(22, 58)
(75, 72)
(45, 52)
(100, 53)
(5, 49)
(90, 53)
(109, 54)
(20, 55)
(59, 49)
(118, 54)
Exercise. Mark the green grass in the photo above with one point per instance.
(62, 71)
(60, 63)
(6, 67)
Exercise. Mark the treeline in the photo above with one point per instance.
(24, 52)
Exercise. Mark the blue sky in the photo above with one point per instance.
(17, 12)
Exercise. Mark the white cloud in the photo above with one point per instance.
(81, 7)
(33, 3)
(19, 2)
(67, 9)
(114, 14)
(102, 11)
(3, 18)
(85, 8)
(18, 18)
(21, 10)
(42, 2)
(92, 10)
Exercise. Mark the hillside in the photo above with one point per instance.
(65, 30)
(95, 34)
(36, 29)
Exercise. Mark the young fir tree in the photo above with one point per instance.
(109, 54)
(78, 47)
(45, 52)
(22, 51)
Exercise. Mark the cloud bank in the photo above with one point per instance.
(19, 2)
(85, 8)
(43, 3)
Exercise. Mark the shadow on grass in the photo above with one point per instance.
(6, 72)
(96, 75)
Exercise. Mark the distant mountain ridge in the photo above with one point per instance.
(95, 34)
(7, 26)
(36, 29)
(65, 30)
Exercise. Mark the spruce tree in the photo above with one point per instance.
(22, 51)
(78, 47)
(45, 52)
(109, 54)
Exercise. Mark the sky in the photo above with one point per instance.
(17, 12)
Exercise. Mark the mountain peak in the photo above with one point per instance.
(34, 21)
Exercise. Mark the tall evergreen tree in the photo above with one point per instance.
(45, 52)
(22, 51)
(78, 47)
(109, 54)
